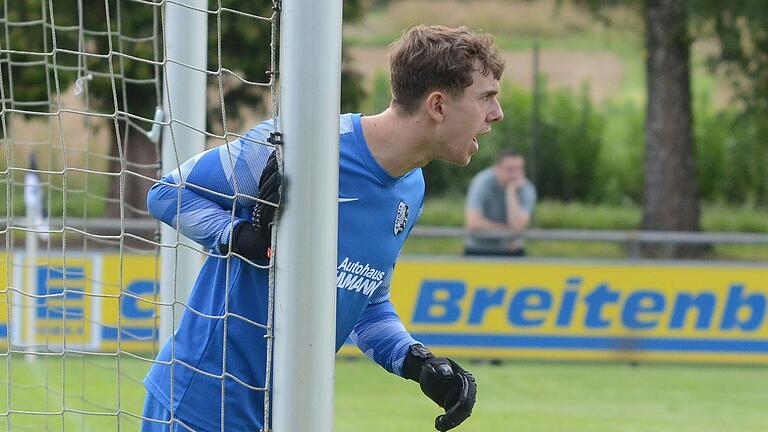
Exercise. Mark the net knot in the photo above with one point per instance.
(276, 139)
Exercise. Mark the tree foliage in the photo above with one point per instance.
(741, 30)
(117, 56)
(562, 161)
(237, 43)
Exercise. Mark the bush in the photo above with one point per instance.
(577, 153)
(746, 159)
(711, 138)
(560, 148)
(620, 163)
(731, 155)
(556, 215)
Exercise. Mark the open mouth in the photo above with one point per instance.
(474, 140)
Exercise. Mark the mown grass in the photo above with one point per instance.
(573, 397)
(449, 211)
(72, 393)
(514, 396)
(565, 249)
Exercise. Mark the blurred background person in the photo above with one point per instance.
(500, 197)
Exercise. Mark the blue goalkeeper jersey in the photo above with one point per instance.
(376, 213)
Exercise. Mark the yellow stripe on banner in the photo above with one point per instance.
(516, 309)
(524, 309)
(132, 304)
(104, 306)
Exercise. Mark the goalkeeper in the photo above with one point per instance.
(445, 83)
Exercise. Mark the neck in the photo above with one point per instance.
(397, 142)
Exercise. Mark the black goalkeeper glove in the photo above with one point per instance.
(443, 381)
(254, 240)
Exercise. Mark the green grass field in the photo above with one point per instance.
(516, 396)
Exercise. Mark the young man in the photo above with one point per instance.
(499, 198)
(444, 86)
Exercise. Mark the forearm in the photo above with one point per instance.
(381, 335)
(210, 194)
(483, 224)
(476, 221)
(517, 218)
(194, 216)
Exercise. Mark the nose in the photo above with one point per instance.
(496, 114)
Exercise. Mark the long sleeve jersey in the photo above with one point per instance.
(219, 349)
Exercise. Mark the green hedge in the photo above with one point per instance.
(449, 211)
(560, 149)
(579, 152)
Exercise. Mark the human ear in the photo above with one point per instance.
(435, 104)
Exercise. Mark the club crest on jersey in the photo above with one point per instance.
(402, 217)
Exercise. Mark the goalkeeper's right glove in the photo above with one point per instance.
(443, 381)
(254, 240)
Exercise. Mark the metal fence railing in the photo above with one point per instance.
(632, 239)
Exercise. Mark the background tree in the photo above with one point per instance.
(243, 48)
(670, 199)
(670, 196)
(740, 30)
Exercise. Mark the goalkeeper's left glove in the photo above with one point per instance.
(443, 381)
(253, 239)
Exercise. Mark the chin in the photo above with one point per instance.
(461, 161)
(460, 157)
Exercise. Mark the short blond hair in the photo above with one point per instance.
(429, 58)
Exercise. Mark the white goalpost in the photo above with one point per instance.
(186, 55)
(108, 97)
(305, 312)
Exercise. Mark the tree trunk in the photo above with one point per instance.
(670, 193)
(141, 156)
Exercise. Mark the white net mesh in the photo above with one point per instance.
(81, 82)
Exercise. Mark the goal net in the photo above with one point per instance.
(90, 121)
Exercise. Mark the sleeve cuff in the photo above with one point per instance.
(222, 245)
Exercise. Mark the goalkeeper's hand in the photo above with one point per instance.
(443, 381)
(254, 240)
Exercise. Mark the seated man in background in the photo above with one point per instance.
(499, 198)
